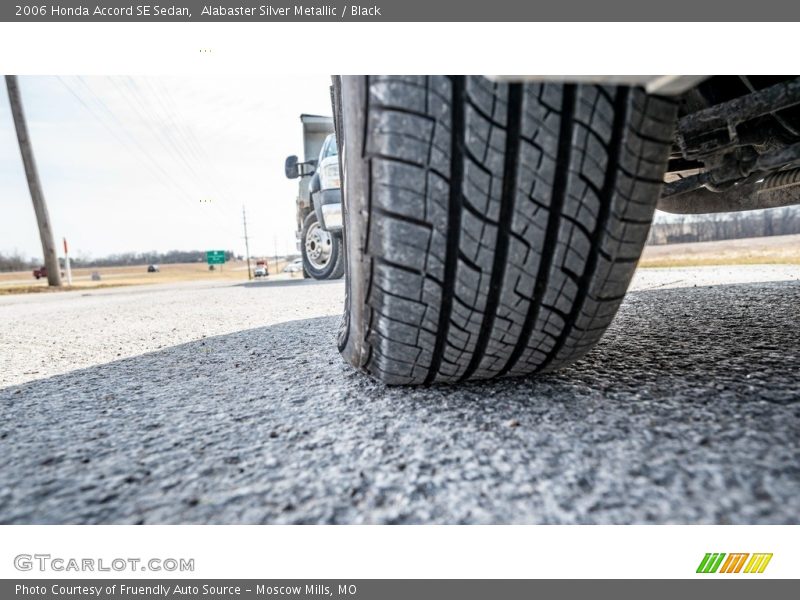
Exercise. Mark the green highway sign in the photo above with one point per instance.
(215, 257)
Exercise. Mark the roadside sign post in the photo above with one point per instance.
(215, 257)
(66, 263)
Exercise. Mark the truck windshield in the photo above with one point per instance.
(330, 149)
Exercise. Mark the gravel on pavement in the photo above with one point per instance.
(230, 404)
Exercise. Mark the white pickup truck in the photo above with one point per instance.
(319, 200)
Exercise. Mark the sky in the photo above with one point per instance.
(132, 164)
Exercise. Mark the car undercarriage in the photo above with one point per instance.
(736, 146)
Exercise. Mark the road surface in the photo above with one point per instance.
(228, 403)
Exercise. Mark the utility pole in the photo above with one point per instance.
(35, 187)
(246, 244)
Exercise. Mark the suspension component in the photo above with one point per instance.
(780, 180)
(709, 131)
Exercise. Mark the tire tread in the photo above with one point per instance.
(504, 221)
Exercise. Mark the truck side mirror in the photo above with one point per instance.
(307, 168)
(290, 167)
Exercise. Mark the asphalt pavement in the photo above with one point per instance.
(228, 403)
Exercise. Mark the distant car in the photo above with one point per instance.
(42, 272)
(294, 267)
(261, 272)
(152, 269)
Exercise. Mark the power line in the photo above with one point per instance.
(135, 147)
(150, 115)
(140, 151)
(189, 139)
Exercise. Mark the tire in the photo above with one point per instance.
(492, 229)
(316, 266)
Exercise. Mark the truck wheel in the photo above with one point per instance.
(322, 251)
(491, 229)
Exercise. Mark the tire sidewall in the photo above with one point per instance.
(355, 203)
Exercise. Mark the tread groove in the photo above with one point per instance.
(609, 186)
(455, 201)
(509, 190)
(553, 222)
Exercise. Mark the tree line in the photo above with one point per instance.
(16, 261)
(666, 229)
(677, 229)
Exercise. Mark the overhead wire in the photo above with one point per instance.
(133, 144)
(163, 133)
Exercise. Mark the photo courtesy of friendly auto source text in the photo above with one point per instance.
(398, 266)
